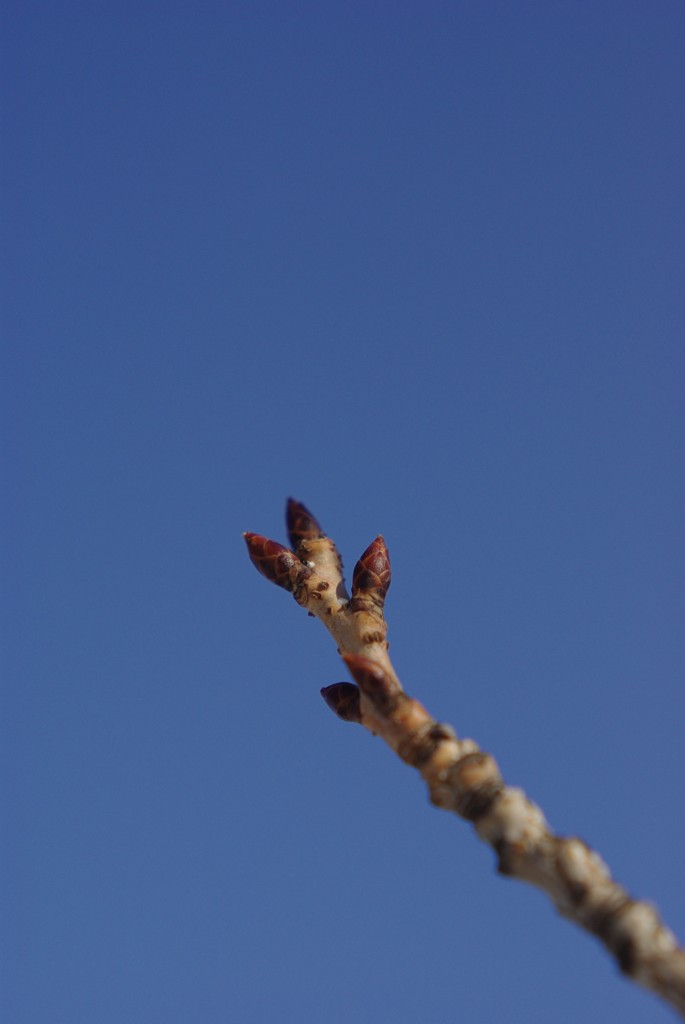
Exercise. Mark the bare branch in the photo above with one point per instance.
(460, 777)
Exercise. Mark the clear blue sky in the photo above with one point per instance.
(419, 265)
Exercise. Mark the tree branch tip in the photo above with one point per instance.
(460, 777)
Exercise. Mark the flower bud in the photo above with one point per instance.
(343, 699)
(371, 577)
(275, 561)
(301, 523)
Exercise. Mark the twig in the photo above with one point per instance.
(460, 777)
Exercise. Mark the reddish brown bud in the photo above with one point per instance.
(301, 523)
(374, 682)
(371, 577)
(275, 561)
(343, 699)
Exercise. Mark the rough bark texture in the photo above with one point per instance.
(460, 777)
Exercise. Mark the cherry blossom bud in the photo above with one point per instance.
(371, 577)
(343, 699)
(301, 524)
(275, 561)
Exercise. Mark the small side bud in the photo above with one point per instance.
(371, 577)
(382, 690)
(301, 523)
(275, 561)
(343, 699)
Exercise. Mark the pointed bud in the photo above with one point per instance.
(371, 577)
(343, 699)
(301, 523)
(374, 682)
(275, 561)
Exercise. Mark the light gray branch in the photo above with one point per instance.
(461, 777)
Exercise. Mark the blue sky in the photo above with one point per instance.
(420, 266)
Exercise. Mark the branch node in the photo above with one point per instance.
(375, 683)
